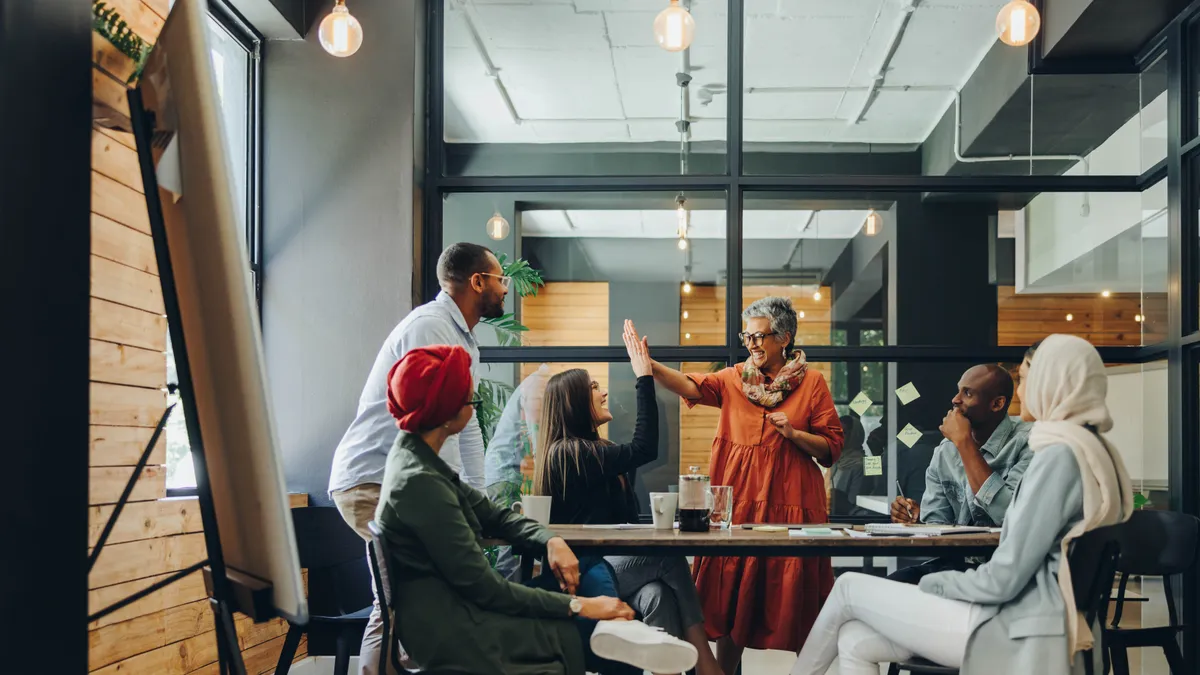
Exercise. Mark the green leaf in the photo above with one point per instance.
(495, 396)
(1140, 501)
(526, 279)
(508, 329)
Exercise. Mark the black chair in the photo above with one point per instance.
(1153, 544)
(339, 589)
(1093, 563)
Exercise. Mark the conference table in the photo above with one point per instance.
(737, 541)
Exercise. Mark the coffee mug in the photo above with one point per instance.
(662, 507)
(534, 507)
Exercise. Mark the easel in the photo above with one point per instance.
(228, 590)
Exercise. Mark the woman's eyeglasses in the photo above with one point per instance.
(753, 339)
(505, 281)
(475, 402)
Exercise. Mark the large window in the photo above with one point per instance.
(235, 52)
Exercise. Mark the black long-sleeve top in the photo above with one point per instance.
(600, 489)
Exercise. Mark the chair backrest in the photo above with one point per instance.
(334, 555)
(380, 556)
(1159, 543)
(1093, 563)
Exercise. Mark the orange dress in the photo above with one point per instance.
(767, 603)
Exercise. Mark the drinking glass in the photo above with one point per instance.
(720, 498)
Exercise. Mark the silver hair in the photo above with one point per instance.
(779, 310)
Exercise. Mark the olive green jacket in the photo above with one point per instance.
(453, 611)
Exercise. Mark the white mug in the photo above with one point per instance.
(662, 507)
(534, 507)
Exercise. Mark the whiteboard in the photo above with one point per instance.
(217, 310)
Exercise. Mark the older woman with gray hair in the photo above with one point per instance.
(777, 424)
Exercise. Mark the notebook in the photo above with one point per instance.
(815, 532)
(903, 530)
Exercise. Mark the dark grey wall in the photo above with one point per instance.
(337, 230)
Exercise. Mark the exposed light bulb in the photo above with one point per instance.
(865, 369)
(817, 295)
(1105, 293)
(340, 33)
(685, 314)
(674, 28)
(687, 287)
(1070, 317)
(687, 336)
(801, 314)
(497, 227)
(1018, 23)
(1139, 318)
(872, 224)
(683, 243)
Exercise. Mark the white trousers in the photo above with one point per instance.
(869, 620)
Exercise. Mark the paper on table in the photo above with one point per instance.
(814, 532)
(861, 403)
(873, 466)
(908, 393)
(909, 435)
(620, 526)
(858, 534)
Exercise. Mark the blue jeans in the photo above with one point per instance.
(596, 579)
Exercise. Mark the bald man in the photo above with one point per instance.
(975, 471)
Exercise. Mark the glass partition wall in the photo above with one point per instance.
(928, 197)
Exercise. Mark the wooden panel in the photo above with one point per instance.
(120, 406)
(119, 203)
(147, 520)
(566, 313)
(105, 483)
(174, 659)
(126, 286)
(123, 446)
(297, 499)
(697, 427)
(113, 62)
(121, 364)
(116, 161)
(159, 7)
(128, 326)
(120, 641)
(113, 241)
(1028, 317)
(139, 559)
(123, 137)
(141, 18)
(187, 589)
(110, 93)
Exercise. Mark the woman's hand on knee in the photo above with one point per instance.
(602, 608)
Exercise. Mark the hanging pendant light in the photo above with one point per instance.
(681, 222)
(872, 224)
(340, 33)
(674, 28)
(1018, 23)
(497, 227)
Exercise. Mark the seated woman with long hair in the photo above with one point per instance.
(454, 613)
(1015, 613)
(591, 481)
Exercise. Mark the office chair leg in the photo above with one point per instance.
(1119, 658)
(341, 660)
(1174, 657)
(290, 644)
(894, 669)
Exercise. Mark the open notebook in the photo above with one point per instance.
(904, 530)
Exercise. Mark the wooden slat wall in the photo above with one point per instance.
(705, 325)
(1024, 319)
(171, 631)
(568, 314)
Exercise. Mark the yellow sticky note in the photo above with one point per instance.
(873, 466)
(860, 403)
(909, 435)
(908, 393)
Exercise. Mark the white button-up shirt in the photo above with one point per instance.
(362, 453)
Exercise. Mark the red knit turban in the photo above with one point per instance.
(428, 386)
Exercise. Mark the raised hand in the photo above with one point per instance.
(639, 351)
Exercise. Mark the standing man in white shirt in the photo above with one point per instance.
(473, 288)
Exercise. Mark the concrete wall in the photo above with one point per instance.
(338, 226)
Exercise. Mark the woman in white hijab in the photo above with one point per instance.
(1016, 613)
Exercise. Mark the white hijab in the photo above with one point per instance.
(1066, 390)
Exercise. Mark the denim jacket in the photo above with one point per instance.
(948, 499)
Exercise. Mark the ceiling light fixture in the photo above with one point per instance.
(1070, 317)
(1105, 293)
(873, 223)
(801, 314)
(817, 294)
(674, 28)
(1139, 318)
(685, 314)
(1018, 23)
(687, 287)
(687, 336)
(681, 222)
(340, 33)
(497, 227)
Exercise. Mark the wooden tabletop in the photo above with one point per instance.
(742, 542)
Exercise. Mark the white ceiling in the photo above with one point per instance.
(581, 71)
(660, 224)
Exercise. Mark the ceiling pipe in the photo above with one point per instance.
(1002, 158)
(489, 68)
(881, 74)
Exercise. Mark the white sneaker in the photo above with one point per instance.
(642, 646)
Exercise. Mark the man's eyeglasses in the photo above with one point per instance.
(753, 339)
(505, 281)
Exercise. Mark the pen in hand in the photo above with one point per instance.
(900, 491)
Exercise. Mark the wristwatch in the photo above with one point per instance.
(576, 606)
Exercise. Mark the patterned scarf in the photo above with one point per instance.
(755, 387)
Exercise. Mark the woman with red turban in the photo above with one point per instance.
(453, 611)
